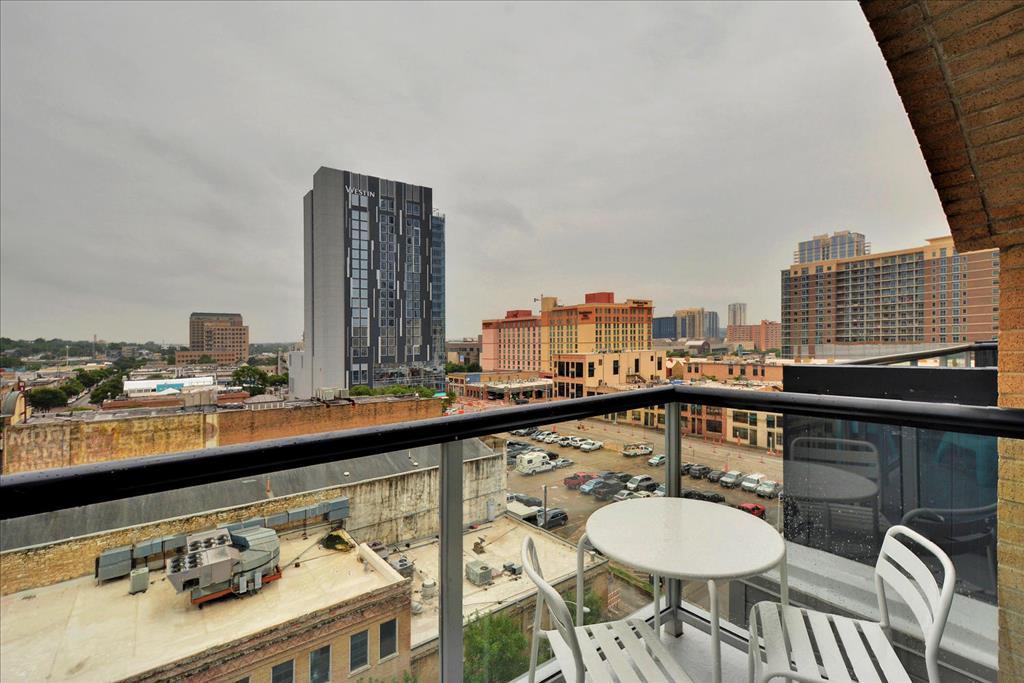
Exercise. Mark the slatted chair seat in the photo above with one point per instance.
(792, 635)
(626, 650)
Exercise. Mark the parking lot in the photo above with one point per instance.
(609, 458)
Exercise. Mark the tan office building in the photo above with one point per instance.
(221, 336)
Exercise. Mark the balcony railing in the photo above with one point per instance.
(51, 490)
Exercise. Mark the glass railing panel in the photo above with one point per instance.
(846, 483)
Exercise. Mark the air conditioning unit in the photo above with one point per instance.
(478, 573)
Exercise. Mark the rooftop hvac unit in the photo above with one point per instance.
(403, 565)
(478, 573)
(429, 589)
(139, 580)
(513, 568)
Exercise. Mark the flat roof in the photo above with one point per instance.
(503, 542)
(78, 630)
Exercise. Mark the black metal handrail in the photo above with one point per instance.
(987, 347)
(61, 488)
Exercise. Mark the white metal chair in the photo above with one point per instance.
(625, 650)
(792, 635)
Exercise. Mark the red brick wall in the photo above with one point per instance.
(244, 426)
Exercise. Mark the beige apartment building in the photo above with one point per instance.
(914, 299)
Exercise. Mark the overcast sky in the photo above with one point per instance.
(153, 157)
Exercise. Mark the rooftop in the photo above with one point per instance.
(82, 621)
(503, 542)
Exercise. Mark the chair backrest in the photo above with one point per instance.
(901, 569)
(547, 595)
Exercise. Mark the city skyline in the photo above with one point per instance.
(176, 210)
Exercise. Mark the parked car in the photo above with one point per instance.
(577, 480)
(708, 496)
(768, 489)
(634, 483)
(564, 440)
(587, 487)
(684, 469)
(623, 476)
(634, 450)
(659, 492)
(642, 494)
(752, 481)
(554, 517)
(591, 445)
(731, 479)
(552, 438)
(605, 490)
(540, 435)
(622, 495)
(520, 401)
(657, 461)
(755, 509)
(525, 431)
(531, 501)
(563, 462)
(576, 441)
(698, 471)
(714, 475)
(649, 486)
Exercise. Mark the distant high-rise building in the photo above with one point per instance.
(899, 301)
(223, 337)
(711, 324)
(763, 337)
(374, 285)
(665, 327)
(691, 322)
(840, 244)
(737, 314)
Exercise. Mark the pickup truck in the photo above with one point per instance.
(607, 489)
(752, 481)
(635, 450)
(577, 480)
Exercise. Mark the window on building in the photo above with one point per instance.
(359, 652)
(615, 367)
(283, 672)
(320, 665)
(388, 638)
(590, 369)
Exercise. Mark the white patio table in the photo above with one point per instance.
(678, 538)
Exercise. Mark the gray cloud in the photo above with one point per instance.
(153, 157)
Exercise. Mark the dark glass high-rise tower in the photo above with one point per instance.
(374, 285)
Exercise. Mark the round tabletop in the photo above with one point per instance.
(818, 481)
(679, 538)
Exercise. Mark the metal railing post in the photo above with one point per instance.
(450, 580)
(673, 489)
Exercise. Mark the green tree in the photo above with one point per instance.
(474, 367)
(454, 367)
(277, 380)
(107, 389)
(360, 390)
(495, 649)
(72, 388)
(45, 398)
(251, 379)
(205, 359)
